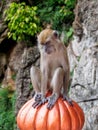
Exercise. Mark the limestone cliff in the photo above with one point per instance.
(84, 61)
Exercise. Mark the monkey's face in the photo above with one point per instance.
(46, 36)
(48, 40)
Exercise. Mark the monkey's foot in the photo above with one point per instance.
(69, 100)
(51, 101)
(38, 103)
(38, 97)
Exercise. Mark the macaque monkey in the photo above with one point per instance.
(53, 74)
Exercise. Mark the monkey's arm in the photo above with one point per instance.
(65, 65)
(41, 99)
(66, 79)
(44, 81)
(66, 68)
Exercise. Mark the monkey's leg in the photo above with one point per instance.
(56, 84)
(36, 81)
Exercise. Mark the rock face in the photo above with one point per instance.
(23, 82)
(3, 27)
(17, 58)
(84, 61)
(5, 45)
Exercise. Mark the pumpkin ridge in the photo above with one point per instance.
(27, 106)
(25, 121)
(24, 106)
(47, 120)
(80, 114)
(74, 118)
(76, 110)
(37, 111)
(42, 116)
(65, 103)
(65, 115)
(53, 121)
(59, 114)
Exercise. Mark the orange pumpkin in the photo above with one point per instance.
(61, 117)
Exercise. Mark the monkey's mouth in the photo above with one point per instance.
(49, 49)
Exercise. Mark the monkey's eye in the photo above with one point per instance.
(42, 43)
(47, 43)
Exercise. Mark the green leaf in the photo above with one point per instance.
(70, 32)
(14, 36)
(19, 18)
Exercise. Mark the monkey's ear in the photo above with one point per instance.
(55, 34)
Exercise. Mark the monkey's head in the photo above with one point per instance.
(47, 34)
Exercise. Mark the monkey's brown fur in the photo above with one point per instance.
(54, 69)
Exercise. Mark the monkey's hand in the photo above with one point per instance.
(51, 101)
(40, 100)
(69, 100)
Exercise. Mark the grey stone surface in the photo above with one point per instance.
(85, 70)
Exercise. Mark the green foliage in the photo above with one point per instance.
(30, 86)
(7, 103)
(22, 21)
(58, 13)
(68, 33)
